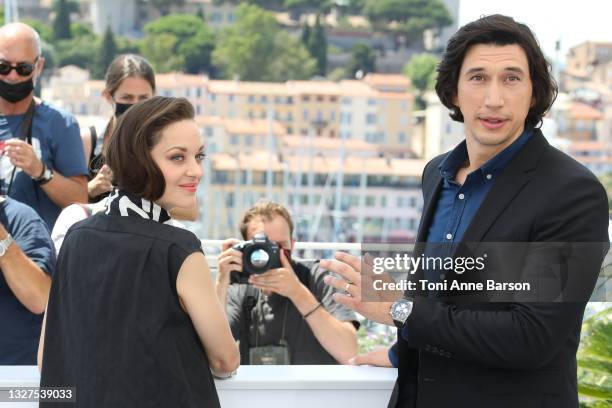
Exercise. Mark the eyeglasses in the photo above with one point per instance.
(23, 68)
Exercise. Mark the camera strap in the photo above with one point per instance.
(283, 340)
(249, 302)
(25, 133)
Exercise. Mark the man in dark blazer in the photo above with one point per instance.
(504, 183)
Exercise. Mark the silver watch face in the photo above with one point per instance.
(401, 310)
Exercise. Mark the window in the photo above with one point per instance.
(198, 92)
(305, 98)
(371, 102)
(401, 137)
(212, 97)
(229, 199)
(289, 100)
(198, 110)
(251, 99)
(320, 98)
(263, 99)
(230, 98)
(305, 115)
(383, 201)
(371, 119)
(370, 201)
(234, 140)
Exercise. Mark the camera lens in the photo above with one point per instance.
(259, 258)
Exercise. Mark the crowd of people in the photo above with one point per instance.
(103, 288)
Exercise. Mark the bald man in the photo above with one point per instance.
(41, 162)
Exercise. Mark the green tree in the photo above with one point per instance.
(595, 361)
(255, 48)
(79, 29)
(421, 69)
(407, 18)
(159, 51)
(107, 52)
(294, 62)
(297, 7)
(318, 46)
(76, 51)
(193, 44)
(61, 23)
(200, 14)
(363, 58)
(163, 6)
(305, 36)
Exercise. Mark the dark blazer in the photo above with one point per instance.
(506, 354)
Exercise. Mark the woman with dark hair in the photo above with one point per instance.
(129, 79)
(133, 319)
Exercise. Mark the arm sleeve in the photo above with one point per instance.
(393, 355)
(525, 335)
(67, 218)
(67, 147)
(32, 235)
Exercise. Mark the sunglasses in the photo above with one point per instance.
(23, 68)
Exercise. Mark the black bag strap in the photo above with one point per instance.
(25, 133)
(93, 136)
(249, 301)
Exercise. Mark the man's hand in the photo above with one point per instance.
(379, 357)
(352, 283)
(22, 155)
(101, 183)
(282, 281)
(229, 260)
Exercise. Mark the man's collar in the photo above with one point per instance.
(459, 155)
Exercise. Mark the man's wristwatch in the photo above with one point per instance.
(399, 311)
(45, 177)
(5, 244)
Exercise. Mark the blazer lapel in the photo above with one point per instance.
(431, 189)
(510, 182)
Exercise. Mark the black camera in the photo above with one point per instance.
(258, 256)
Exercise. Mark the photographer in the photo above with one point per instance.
(286, 314)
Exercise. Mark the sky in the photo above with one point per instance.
(571, 21)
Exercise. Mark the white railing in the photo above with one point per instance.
(265, 386)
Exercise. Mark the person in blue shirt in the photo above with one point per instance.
(27, 259)
(42, 163)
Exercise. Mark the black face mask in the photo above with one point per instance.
(16, 92)
(120, 108)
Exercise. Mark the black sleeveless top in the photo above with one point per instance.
(115, 329)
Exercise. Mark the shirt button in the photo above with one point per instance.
(449, 236)
(489, 176)
(461, 196)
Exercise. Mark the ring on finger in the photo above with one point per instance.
(346, 288)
